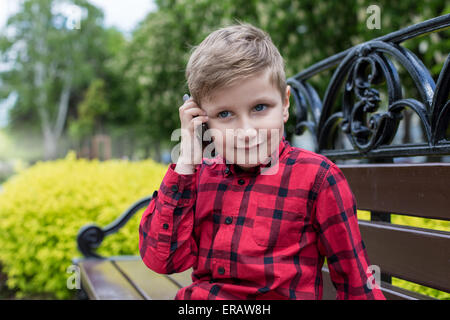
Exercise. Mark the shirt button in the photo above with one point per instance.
(174, 188)
(221, 270)
(165, 226)
(228, 220)
(241, 181)
(227, 170)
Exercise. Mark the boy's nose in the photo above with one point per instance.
(247, 136)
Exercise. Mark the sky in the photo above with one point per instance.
(123, 14)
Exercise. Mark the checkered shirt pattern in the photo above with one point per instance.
(253, 236)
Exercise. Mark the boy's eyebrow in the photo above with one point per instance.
(252, 103)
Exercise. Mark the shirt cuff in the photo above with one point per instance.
(178, 189)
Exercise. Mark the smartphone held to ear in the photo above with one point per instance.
(204, 126)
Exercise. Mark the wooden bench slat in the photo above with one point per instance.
(414, 254)
(420, 190)
(183, 278)
(152, 285)
(389, 291)
(395, 293)
(329, 291)
(102, 281)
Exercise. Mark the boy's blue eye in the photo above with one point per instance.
(260, 107)
(223, 114)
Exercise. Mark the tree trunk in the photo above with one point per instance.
(51, 137)
(50, 144)
(42, 73)
(41, 101)
(63, 106)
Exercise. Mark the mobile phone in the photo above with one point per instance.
(204, 127)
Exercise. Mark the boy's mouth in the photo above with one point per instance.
(247, 147)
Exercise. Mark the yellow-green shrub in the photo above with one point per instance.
(43, 207)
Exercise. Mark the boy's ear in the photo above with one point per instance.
(286, 104)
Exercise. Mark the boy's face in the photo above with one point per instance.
(246, 120)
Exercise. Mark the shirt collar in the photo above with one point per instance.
(283, 149)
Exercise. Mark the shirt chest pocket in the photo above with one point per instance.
(278, 224)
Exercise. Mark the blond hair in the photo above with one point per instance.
(229, 54)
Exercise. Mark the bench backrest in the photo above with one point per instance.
(418, 255)
(362, 127)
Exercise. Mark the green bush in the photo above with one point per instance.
(43, 207)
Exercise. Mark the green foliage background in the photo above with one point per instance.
(135, 84)
(43, 207)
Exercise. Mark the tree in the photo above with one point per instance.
(51, 63)
(144, 79)
(91, 112)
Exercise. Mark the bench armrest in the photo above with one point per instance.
(91, 236)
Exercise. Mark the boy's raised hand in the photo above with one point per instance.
(192, 117)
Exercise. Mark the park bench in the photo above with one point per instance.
(368, 158)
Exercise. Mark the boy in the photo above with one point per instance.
(257, 220)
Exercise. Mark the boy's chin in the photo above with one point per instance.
(246, 161)
(248, 166)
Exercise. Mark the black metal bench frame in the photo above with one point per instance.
(378, 184)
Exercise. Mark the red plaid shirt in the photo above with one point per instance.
(254, 236)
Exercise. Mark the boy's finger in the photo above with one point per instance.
(199, 119)
(188, 104)
(195, 112)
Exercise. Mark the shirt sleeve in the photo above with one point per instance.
(340, 239)
(166, 241)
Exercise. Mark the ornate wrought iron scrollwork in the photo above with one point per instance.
(363, 134)
(304, 95)
(91, 236)
(440, 115)
(369, 129)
